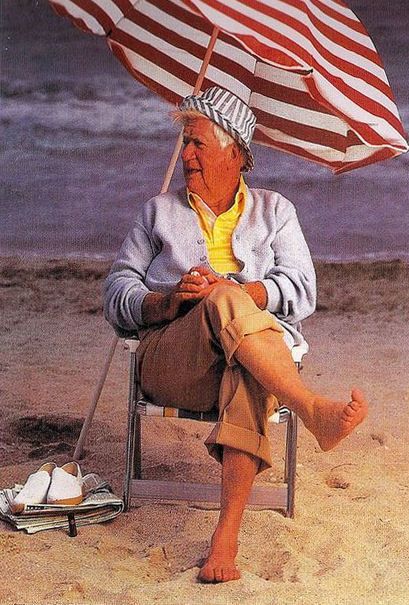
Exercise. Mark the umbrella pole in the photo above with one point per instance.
(198, 84)
(165, 186)
(97, 393)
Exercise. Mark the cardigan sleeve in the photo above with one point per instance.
(290, 279)
(125, 289)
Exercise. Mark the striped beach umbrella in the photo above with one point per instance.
(307, 68)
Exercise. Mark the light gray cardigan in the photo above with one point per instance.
(166, 241)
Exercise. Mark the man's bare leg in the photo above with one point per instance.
(266, 356)
(238, 472)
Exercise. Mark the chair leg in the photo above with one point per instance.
(290, 466)
(132, 464)
(137, 460)
(291, 463)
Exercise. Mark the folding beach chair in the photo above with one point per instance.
(275, 497)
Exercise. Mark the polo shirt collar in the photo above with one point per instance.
(196, 202)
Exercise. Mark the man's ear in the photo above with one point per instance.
(236, 153)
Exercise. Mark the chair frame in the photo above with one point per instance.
(273, 497)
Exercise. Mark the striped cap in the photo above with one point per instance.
(229, 112)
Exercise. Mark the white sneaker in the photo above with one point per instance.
(35, 488)
(66, 485)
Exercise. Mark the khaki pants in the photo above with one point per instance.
(190, 364)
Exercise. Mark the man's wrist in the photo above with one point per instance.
(155, 308)
(257, 291)
(165, 307)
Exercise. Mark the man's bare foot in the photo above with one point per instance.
(332, 421)
(219, 565)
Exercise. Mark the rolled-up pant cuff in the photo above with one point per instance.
(234, 330)
(239, 438)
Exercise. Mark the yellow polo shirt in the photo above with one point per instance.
(218, 230)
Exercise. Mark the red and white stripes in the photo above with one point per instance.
(307, 68)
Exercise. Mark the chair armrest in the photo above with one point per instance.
(132, 344)
(298, 351)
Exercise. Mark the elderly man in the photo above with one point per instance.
(215, 280)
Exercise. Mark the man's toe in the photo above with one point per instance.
(350, 411)
(204, 575)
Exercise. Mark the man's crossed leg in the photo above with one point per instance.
(218, 345)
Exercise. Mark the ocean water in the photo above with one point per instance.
(82, 143)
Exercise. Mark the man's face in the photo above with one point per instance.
(208, 169)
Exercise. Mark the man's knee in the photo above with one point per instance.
(228, 297)
(225, 304)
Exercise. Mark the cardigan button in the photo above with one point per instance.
(200, 241)
(203, 258)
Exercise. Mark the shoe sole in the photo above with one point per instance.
(67, 501)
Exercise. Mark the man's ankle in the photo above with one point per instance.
(304, 406)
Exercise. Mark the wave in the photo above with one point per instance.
(63, 115)
(94, 88)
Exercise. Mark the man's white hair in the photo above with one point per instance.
(184, 117)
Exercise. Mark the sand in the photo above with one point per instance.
(348, 543)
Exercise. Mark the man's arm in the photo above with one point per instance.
(290, 279)
(125, 287)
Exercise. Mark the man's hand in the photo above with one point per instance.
(255, 289)
(211, 278)
(192, 287)
(158, 308)
(188, 290)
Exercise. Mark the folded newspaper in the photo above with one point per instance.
(99, 504)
